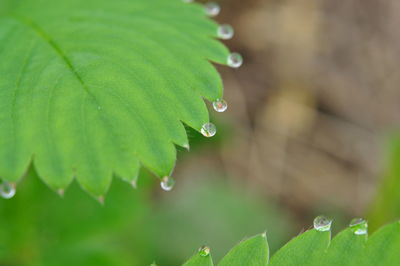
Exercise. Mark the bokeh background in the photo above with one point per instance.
(311, 129)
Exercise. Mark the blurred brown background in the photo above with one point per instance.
(311, 106)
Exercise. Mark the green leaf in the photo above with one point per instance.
(251, 252)
(96, 88)
(345, 248)
(383, 247)
(202, 258)
(306, 249)
(348, 248)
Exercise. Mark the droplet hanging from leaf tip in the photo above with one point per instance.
(220, 105)
(225, 32)
(7, 190)
(204, 251)
(235, 60)
(322, 223)
(359, 226)
(208, 130)
(167, 183)
(186, 146)
(212, 9)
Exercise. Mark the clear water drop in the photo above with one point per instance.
(322, 223)
(359, 226)
(167, 183)
(212, 9)
(220, 105)
(7, 190)
(225, 32)
(204, 251)
(187, 1)
(235, 60)
(208, 130)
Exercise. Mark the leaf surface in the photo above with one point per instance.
(314, 247)
(96, 88)
(306, 249)
(199, 260)
(345, 248)
(253, 252)
(383, 247)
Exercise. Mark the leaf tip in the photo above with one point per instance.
(134, 184)
(101, 200)
(61, 192)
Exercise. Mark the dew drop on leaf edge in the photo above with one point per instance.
(322, 223)
(235, 60)
(220, 105)
(212, 9)
(359, 226)
(167, 183)
(208, 130)
(7, 190)
(204, 251)
(225, 32)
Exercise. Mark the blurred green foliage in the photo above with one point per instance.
(213, 213)
(134, 227)
(386, 205)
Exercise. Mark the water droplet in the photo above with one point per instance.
(220, 105)
(167, 183)
(235, 60)
(187, 1)
(7, 190)
(186, 146)
(204, 251)
(225, 32)
(322, 223)
(208, 130)
(359, 226)
(212, 9)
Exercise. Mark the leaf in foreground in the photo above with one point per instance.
(96, 88)
(351, 247)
